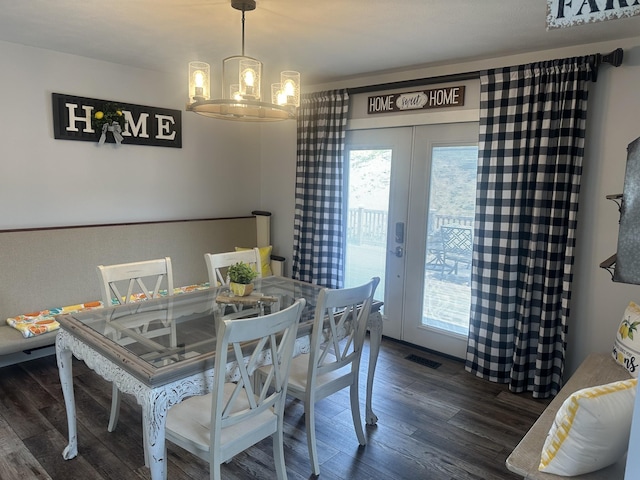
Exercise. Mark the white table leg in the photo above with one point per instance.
(154, 418)
(65, 370)
(375, 338)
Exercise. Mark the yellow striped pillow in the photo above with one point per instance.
(591, 429)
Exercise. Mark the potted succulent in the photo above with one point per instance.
(241, 276)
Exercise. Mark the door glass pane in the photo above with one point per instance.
(368, 176)
(452, 195)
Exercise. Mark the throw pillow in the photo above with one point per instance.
(591, 429)
(626, 348)
(265, 259)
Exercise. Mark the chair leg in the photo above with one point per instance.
(310, 423)
(115, 408)
(355, 413)
(278, 453)
(214, 471)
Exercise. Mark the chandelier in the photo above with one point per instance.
(241, 94)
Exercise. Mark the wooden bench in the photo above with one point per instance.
(597, 369)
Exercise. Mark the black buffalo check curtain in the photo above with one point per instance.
(318, 255)
(532, 129)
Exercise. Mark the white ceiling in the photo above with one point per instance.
(326, 40)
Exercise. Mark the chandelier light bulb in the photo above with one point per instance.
(289, 88)
(199, 79)
(249, 78)
(250, 73)
(234, 92)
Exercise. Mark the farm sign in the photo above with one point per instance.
(566, 13)
(435, 98)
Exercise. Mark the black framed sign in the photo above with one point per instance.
(154, 126)
(423, 99)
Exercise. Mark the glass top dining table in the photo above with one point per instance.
(163, 350)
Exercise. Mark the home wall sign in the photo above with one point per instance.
(160, 127)
(400, 102)
(567, 13)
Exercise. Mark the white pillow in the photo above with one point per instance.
(591, 429)
(626, 348)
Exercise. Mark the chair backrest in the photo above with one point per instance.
(217, 264)
(125, 282)
(457, 240)
(339, 328)
(251, 341)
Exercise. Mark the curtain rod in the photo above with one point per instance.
(613, 58)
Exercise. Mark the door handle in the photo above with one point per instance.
(398, 252)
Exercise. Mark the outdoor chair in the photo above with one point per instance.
(457, 244)
(235, 416)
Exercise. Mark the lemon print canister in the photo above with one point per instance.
(626, 348)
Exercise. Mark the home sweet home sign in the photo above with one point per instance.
(160, 127)
(424, 99)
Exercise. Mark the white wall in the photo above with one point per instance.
(47, 182)
(278, 178)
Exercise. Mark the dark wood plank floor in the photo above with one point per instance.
(434, 423)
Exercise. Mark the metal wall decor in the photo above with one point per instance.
(624, 266)
(628, 256)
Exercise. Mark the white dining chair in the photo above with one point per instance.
(217, 264)
(124, 283)
(333, 363)
(235, 415)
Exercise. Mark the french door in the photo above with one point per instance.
(409, 211)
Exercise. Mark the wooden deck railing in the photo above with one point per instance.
(369, 227)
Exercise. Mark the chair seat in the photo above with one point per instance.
(190, 421)
(299, 375)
